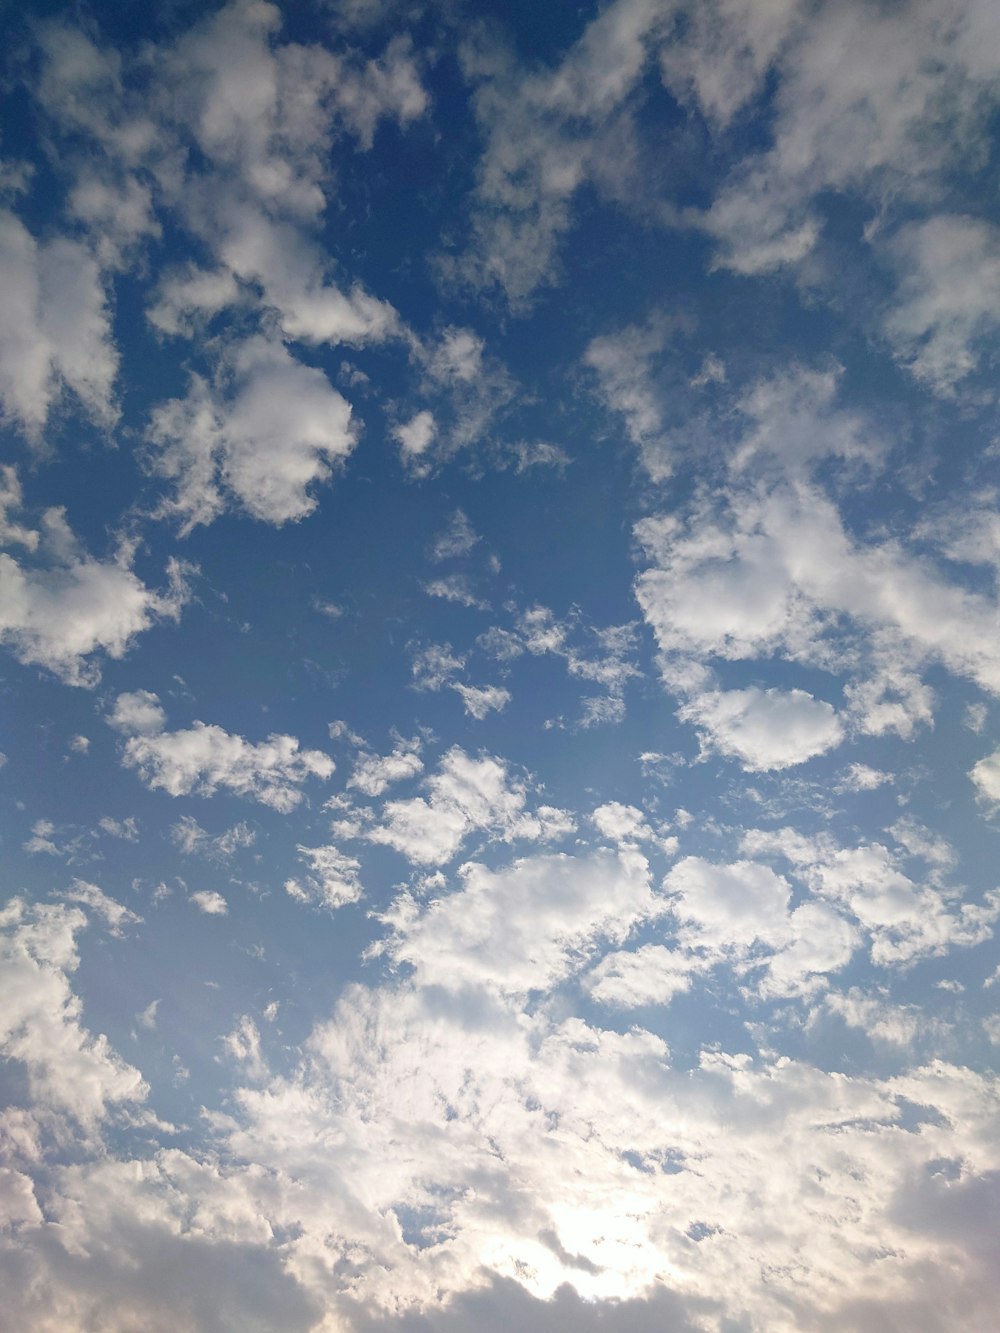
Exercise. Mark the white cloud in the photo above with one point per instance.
(455, 588)
(415, 438)
(765, 729)
(903, 920)
(481, 699)
(623, 363)
(432, 667)
(985, 774)
(777, 572)
(70, 1071)
(271, 429)
(652, 974)
(192, 839)
(63, 612)
(882, 102)
(474, 1141)
(334, 880)
(57, 329)
(945, 307)
(522, 928)
(209, 902)
(621, 823)
(465, 795)
(373, 773)
(548, 133)
(137, 713)
(202, 758)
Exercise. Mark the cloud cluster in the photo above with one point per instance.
(61, 608)
(203, 758)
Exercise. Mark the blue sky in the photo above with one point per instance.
(499, 615)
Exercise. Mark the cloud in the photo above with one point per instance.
(880, 103)
(465, 795)
(57, 329)
(985, 774)
(623, 364)
(334, 881)
(652, 974)
(65, 608)
(210, 902)
(903, 920)
(481, 699)
(549, 132)
(777, 572)
(434, 1093)
(373, 773)
(457, 539)
(764, 729)
(70, 1071)
(261, 438)
(523, 928)
(945, 306)
(202, 758)
(192, 839)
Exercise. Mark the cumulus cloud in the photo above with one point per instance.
(57, 329)
(70, 1071)
(523, 928)
(203, 758)
(209, 902)
(778, 572)
(261, 437)
(373, 773)
(764, 729)
(985, 774)
(465, 795)
(62, 609)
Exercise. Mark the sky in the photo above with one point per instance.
(499, 657)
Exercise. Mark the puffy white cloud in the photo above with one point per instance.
(522, 928)
(373, 773)
(209, 902)
(465, 795)
(70, 1071)
(765, 729)
(985, 774)
(202, 758)
(469, 1141)
(415, 438)
(268, 432)
(56, 330)
(621, 823)
(777, 572)
(137, 713)
(651, 974)
(65, 607)
(728, 906)
(902, 920)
